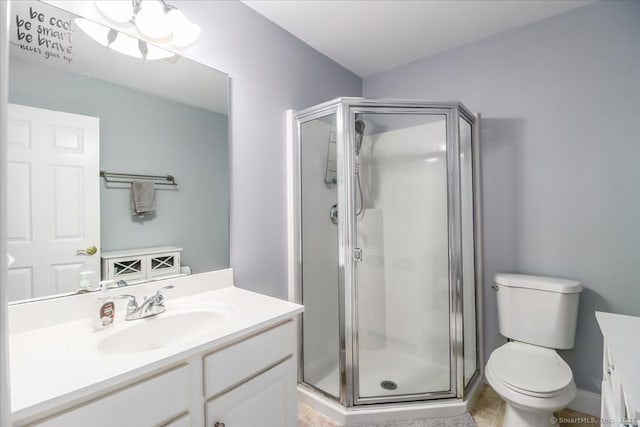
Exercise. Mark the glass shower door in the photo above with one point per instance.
(402, 291)
(319, 255)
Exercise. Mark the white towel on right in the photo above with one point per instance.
(143, 197)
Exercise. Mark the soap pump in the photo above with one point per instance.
(104, 308)
(85, 282)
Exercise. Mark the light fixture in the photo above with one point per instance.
(155, 19)
(184, 31)
(152, 21)
(118, 11)
(121, 42)
(125, 44)
(98, 32)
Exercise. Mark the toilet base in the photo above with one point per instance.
(515, 416)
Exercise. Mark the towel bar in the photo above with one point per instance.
(128, 178)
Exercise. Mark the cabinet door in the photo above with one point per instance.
(267, 400)
(131, 269)
(163, 264)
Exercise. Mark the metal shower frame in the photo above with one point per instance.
(345, 110)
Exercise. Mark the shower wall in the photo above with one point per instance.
(404, 277)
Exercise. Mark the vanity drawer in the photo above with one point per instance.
(248, 358)
(167, 395)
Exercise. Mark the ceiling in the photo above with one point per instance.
(368, 37)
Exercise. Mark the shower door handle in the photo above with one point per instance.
(333, 214)
(357, 254)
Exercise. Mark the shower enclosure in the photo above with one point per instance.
(383, 244)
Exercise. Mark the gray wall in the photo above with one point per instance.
(271, 71)
(145, 134)
(560, 140)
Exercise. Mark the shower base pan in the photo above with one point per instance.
(387, 412)
(380, 368)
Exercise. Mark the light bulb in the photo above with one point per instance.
(185, 33)
(186, 36)
(118, 11)
(152, 21)
(94, 30)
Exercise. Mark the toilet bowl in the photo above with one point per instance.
(538, 315)
(533, 381)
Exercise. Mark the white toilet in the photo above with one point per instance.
(538, 315)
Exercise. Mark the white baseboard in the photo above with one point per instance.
(586, 402)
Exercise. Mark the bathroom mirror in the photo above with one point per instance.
(79, 106)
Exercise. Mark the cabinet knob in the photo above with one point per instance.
(218, 424)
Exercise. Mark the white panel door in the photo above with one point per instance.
(53, 200)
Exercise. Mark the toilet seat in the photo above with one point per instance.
(530, 370)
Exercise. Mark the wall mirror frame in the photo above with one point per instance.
(77, 107)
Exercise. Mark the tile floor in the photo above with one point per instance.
(308, 417)
(488, 411)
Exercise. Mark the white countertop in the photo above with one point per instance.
(622, 335)
(46, 371)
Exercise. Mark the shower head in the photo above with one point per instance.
(359, 125)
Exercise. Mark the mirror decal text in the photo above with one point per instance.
(45, 35)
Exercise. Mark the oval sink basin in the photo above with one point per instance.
(152, 333)
(160, 331)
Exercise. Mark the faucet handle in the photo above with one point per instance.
(158, 296)
(132, 305)
(159, 291)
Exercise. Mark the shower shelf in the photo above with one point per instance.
(331, 172)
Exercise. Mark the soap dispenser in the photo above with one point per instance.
(104, 308)
(85, 282)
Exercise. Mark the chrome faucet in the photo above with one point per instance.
(151, 306)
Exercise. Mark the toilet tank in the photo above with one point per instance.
(538, 310)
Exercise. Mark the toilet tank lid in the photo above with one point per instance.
(550, 284)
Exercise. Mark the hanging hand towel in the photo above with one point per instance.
(143, 197)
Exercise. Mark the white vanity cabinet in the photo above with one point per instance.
(247, 383)
(161, 398)
(620, 398)
(261, 389)
(267, 400)
(141, 265)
